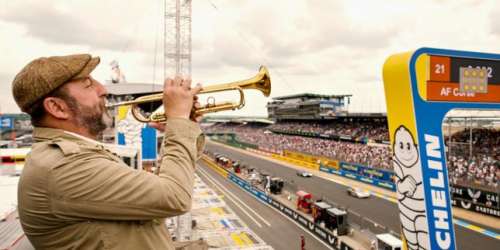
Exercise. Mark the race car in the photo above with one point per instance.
(358, 192)
(304, 174)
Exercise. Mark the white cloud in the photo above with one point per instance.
(7, 103)
(327, 47)
(494, 20)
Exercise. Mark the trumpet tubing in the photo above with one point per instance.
(261, 82)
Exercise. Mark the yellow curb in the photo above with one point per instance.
(475, 228)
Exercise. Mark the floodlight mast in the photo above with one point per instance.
(177, 38)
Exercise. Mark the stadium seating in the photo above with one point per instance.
(481, 167)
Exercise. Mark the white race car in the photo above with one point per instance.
(358, 193)
(304, 174)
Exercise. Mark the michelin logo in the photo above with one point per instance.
(410, 192)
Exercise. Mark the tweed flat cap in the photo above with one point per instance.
(43, 75)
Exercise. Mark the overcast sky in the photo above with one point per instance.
(317, 46)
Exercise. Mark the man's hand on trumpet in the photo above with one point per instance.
(179, 99)
(196, 105)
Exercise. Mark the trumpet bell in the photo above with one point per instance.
(265, 87)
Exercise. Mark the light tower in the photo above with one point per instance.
(177, 38)
(177, 61)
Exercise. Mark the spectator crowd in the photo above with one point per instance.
(479, 166)
(474, 157)
(356, 153)
(373, 130)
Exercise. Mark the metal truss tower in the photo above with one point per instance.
(177, 38)
(177, 62)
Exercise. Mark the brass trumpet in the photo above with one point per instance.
(261, 81)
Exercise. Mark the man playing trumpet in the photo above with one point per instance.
(74, 193)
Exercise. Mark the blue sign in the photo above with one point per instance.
(245, 185)
(6, 122)
(121, 138)
(149, 143)
(367, 179)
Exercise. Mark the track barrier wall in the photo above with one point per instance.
(476, 200)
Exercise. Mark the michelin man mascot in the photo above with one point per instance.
(410, 191)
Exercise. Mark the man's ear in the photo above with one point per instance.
(57, 108)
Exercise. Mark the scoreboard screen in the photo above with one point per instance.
(463, 79)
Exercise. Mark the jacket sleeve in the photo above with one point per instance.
(91, 185)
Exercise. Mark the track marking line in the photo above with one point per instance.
(236, 203)
(244, 204)
(235, 199)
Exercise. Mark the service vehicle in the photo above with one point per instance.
(319, 211)
(276, 185)
(304, 201)
(388, 242)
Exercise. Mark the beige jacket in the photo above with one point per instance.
(75, 194)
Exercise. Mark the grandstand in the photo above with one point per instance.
(308, 106)
(335, 147)
(472, 139)
(473, 143)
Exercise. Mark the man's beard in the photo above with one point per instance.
(96, 119)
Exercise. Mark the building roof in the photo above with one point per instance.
(255, 120)
(374, 115)
(466, 113)
(237, 119)
(17, 116)
(309, 95)
(132, 88)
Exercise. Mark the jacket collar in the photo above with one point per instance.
(43, 134)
